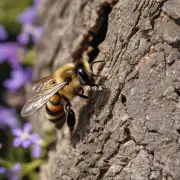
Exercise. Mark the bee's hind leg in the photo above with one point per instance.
(71, 118)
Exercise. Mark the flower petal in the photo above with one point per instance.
(17, 168)
(3, 33)
(28, 16)
(14, 177)
(16, 81)
(26, 143)
(36, 3)
(38, 31)
(8, 118)
(27, 127)
(17, 132)
(28, 71)
(9, 52)
(34, 137)
(23, 38)
(17, 142)
(2, 170)
(36, 150)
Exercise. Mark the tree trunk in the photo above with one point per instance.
(130, 130)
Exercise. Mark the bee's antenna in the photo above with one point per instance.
(93, 62)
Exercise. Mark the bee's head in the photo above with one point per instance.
(84, 73)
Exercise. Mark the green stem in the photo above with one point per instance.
(6, 164)
(47, 142)
(27, 168)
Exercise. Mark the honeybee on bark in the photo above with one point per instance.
(57, 91)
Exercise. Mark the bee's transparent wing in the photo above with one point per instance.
(38, 101)
(42, 84)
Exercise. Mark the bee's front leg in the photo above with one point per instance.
(80, 93)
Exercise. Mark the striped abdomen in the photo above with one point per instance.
(55, 110)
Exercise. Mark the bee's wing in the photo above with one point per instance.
(42, 84)
(38, 101)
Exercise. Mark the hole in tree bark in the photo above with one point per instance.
(100, 34)
(123, 99)
(177, 21)
(177, 91)
(176, 45)
(178, 130)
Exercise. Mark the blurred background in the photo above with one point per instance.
(20, 149)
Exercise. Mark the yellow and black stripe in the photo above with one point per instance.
(55, 111)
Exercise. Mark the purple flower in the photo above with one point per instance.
(3, 33)
(9, 52)
(30, 30)
(16, 168)
(23, 137)
(27, 19)
(36, 3)
(28, 16)
(28, 73)
(2, 170)
(8, 118)
(37, 148)
(18, 79)
(12, 174)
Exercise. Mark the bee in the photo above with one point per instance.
(57, 91)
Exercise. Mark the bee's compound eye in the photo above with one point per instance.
(80, 70)
(83, 77)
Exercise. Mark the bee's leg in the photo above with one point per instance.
(96, 75)
(81, 94)
(71, 119)
(68, 103)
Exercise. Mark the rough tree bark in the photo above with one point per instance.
(131, 129)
